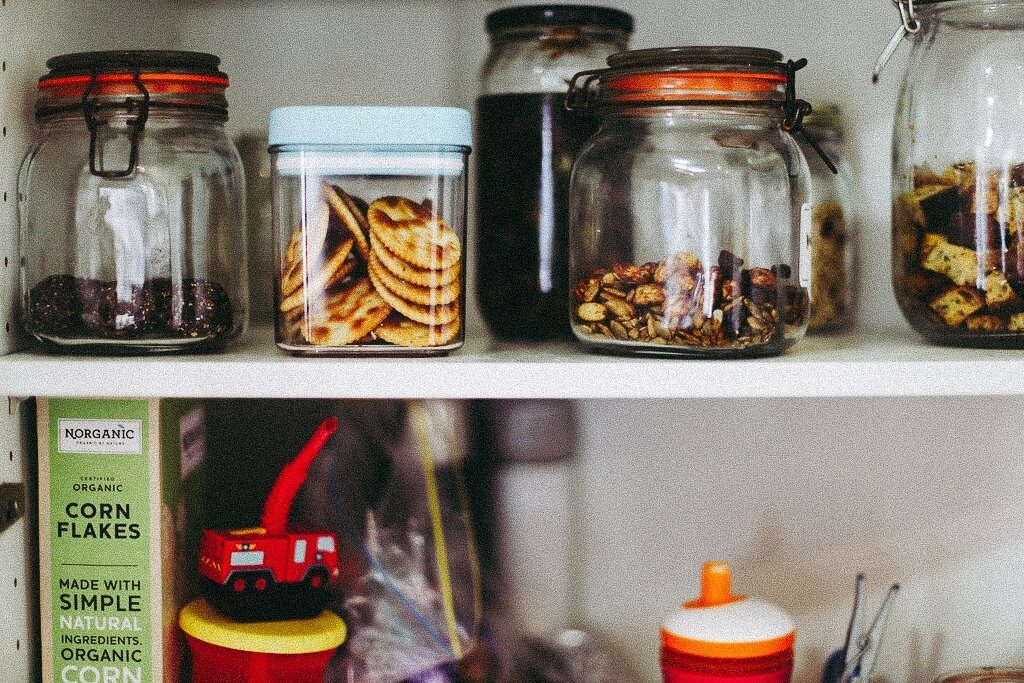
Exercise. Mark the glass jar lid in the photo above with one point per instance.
(534, 16)
(691, 75)
(127, 85)
(695, 76)
(160, 78)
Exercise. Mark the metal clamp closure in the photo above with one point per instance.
(796, 110)
(582, 93)
(136, 126)
(909, 25)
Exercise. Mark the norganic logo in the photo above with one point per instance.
(121, 437)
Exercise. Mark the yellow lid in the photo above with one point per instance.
(307, 636)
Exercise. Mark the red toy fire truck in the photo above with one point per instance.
(271, 573)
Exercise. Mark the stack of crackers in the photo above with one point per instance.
(387, 273)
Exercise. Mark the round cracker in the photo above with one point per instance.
(426, 315)
(293, 251)
(406, 272)
(414, 233)
(424, 296)
(404, 332)
(349, 315)
(350, 215)
(332, 271)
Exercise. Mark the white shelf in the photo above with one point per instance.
(860, 365)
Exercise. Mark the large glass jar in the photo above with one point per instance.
(835, 276)
(958, 174)
(690, 220)
(132, 207)
(527, 145)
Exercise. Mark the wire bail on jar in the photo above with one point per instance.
(136, 126)
(583, 95)
(909, 25)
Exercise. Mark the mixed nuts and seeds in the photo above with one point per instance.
(679, 303)
(959, 255)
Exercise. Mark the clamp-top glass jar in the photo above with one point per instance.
(690, 222)
(132, 207)
(958, 175)
(836, 280)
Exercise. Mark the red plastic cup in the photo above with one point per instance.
(682, 668)
(215, 664)
(224, 651)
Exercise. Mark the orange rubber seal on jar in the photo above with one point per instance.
(123, 84)
(698, 85)
(753, 650)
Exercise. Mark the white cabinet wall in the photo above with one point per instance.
(799, 493)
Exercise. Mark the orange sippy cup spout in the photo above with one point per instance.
(715, 586)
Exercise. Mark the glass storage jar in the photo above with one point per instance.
(526, 148)
(132, 207)
(835, 270)
(958, 173)
(370, 224)
(690, 220)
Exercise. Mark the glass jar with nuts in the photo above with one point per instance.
(690, 221)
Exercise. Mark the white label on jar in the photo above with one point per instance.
(805, 246)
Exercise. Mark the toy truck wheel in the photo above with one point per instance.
(250, 582)
(317, 579)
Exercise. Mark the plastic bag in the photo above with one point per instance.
(412, 588)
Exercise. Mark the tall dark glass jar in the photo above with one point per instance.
(527, 145)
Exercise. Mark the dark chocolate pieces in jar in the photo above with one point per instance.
(959, 257)
(132, 207)
(527, 144)
(64, 307)
(690, 210)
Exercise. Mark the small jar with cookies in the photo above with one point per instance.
(369, 226)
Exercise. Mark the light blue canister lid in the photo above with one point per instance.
(371, 126)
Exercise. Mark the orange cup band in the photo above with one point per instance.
(754, 650)
(123, 84)
(700, 84)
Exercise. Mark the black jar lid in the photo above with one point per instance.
(133, 61)
(528, 16)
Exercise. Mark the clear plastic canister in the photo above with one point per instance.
(370, 226)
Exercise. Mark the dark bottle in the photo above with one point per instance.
(526, 149)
